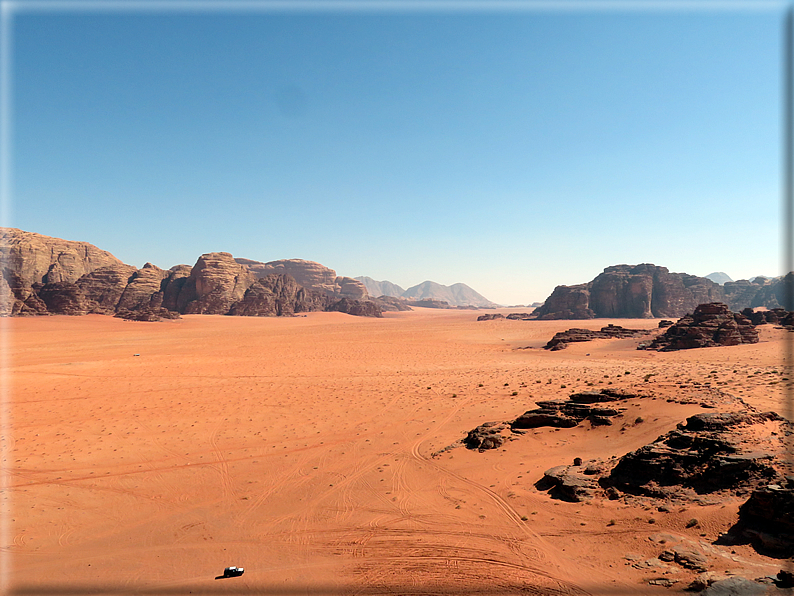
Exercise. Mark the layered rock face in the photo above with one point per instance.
(214, 285)
(310, 275)
(710, 325)
(29, 258)
(278, 295)
(44, 275)
(650, 291)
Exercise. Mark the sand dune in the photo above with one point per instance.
(149, 456)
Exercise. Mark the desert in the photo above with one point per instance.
(323, 453)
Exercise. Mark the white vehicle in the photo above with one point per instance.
(233, 571)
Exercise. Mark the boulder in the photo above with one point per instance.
(486, 436)
(766, 519)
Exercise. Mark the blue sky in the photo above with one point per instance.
(510, 150)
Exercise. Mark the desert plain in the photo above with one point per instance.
(322, 453)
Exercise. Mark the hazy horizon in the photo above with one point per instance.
(510, 149)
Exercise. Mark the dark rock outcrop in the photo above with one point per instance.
(705, 455)
(490, 317)
(571, 412)
(217, 282)
(486, 436)
(360, 308)
(104, 287)
(563, 338)
(767, 519)
(62, 297)
(390, 303)
(710, 325)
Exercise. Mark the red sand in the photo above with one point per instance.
(149, 456)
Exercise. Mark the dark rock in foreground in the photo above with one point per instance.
(704, 455)
(767, 519)
(710, 325)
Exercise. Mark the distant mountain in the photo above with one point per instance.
(718, 277)
(456, 295)
(380, 288)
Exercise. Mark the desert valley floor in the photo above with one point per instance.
(146, 457)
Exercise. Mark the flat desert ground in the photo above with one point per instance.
(146, 457)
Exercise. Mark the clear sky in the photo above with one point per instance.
(512, 150)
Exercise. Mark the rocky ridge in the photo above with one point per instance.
(43, 275)
(651, 291)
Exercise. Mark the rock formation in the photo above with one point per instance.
(646, 291)
(705, 454)
(310, 275)
(563, 338)
(390, 303)
(27, 258)
(577, 408)
(215, 284)
(710, 452)
(766, 519)
(710, 325)
(360, 308)
(43, 275)
(490, 317)
(278, 295)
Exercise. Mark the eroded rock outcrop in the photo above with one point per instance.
(571, 412)
(709, 325)
(563, 338)
(278, 295)
(310, 275)
(767, 519)
(707, 453)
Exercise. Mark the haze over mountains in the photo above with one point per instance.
(458, 294)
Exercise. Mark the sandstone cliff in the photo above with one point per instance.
(631, 291)
(43, 275)
(29, 258)
(310, 275)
